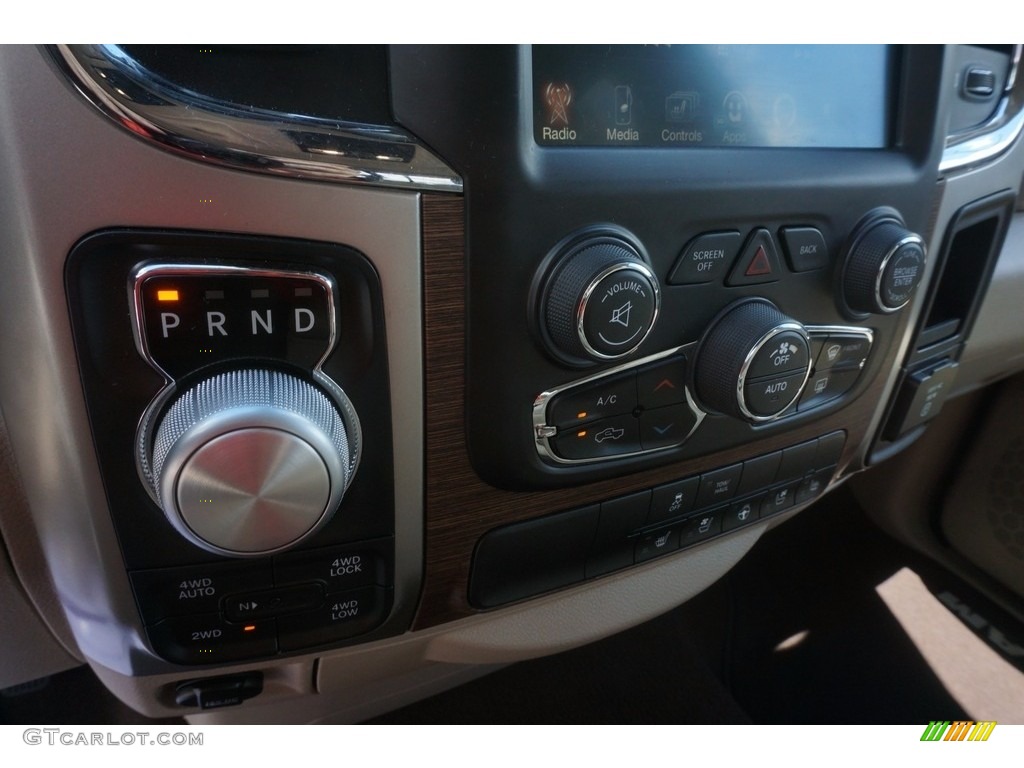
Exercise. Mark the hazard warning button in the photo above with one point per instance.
(758, 261)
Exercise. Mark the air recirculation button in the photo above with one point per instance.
(250, 462)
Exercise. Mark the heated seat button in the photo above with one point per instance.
(607, 437)
(658, 543)
(344, 615)
(611, 396)
(701, 527)
(193, 589)
(778, 500)
(813, 485)
(665, 427)
(705, 258)
(210, 639)
(805, 248)
(248, 606)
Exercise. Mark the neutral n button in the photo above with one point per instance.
(260, 320)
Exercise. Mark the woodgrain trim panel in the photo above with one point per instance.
(459, 506)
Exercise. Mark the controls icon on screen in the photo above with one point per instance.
(681, 106)
(623, 105)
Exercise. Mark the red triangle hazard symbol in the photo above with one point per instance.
(759, 265)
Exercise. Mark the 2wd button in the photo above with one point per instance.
(209, 639)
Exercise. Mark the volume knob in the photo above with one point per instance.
(602, 302)
(251, 462)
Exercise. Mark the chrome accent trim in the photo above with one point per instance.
(144, 271)
(260, 141)
(1015, 58)
(988, 141)
(846, 330)
(741, 380)
(544, 432)
(884, 264)
(643, 269)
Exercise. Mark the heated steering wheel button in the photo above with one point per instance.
(782, 353)
(612, 396)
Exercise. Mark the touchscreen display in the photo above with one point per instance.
(713, 95)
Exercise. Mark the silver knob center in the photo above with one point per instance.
(248, 463)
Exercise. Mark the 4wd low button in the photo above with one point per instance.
(619, 311)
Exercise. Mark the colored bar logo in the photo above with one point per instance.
(958, 730)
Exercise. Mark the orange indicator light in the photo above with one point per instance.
(166, 295)
(581, 433)
(581, 415)
(249, 627)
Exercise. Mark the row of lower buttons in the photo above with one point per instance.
(199, 614)
(525, 559)
(704, 525)
(212, 638)
(707, 257)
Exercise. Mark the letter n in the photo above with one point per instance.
(935, 730)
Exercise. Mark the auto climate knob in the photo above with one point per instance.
(753, 362)
(883, 266)
(250, 462)
(602, 299)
